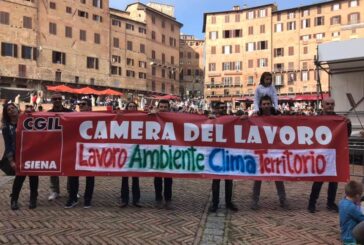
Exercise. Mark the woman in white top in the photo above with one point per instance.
(265, 87)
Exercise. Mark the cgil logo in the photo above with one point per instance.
(41, 123)
(38, 164)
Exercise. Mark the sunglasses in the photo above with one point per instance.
(56, 99)
(82, 104)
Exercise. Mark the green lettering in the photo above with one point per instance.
(170, 157)
(184, 154)
(192, 149)
(177, 155)
(136, 157)
(200, 158)
(163, 154)
(151, 157)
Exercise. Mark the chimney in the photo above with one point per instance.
(236, 7)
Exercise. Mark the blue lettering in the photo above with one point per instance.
(222, 161)
(211, 162)
(237, 163)
(251, 165)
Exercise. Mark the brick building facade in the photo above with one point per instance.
(192, 66)
(243, 43)
(85, 42)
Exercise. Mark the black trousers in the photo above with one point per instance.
(134, 188)
(216, 191)
(315, 193)
(158, 187)
(74, 183)
(18, 184)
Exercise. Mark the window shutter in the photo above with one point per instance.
(35, 53)
(15, 50)
(2, 49)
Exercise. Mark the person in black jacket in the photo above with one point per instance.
(328, 106)
(220, 110)
(85, 105)
(266, 109)
(9, 120)
(130, 106)
(54, 180)
(163, 106)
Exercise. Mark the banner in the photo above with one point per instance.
(183, 145)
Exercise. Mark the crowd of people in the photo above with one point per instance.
(266, 104)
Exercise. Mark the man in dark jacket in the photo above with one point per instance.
(85, 105)
(328, 106)
(54, 180)
(266, 109)
(219, 109)
(163, 106)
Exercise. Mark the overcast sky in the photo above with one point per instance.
(190, 12)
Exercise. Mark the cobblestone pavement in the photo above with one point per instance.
(188, 223)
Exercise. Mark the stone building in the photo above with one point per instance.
(244, 42)
(84, 42)
(162, 45)
(192, 66)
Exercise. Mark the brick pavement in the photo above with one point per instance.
(106, 223)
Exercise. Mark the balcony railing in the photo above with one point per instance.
(220, 85)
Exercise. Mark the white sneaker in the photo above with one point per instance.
(53, 196)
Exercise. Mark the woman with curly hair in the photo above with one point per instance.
(9, 120)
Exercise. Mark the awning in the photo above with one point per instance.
(85, 90)
(301, 97)
(10, 93)
(60, 88)
(286, 97)
(310, 97)
(245, 99)
(167, 97)
(342, 56)
(109, 92)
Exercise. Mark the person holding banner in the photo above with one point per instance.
(220, 110)
(85, 105)
(9, 120)
(130, 106)
(328, 106)
(54, 180)
(266, 109)
(163, 106)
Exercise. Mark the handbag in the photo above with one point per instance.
(6, 167)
